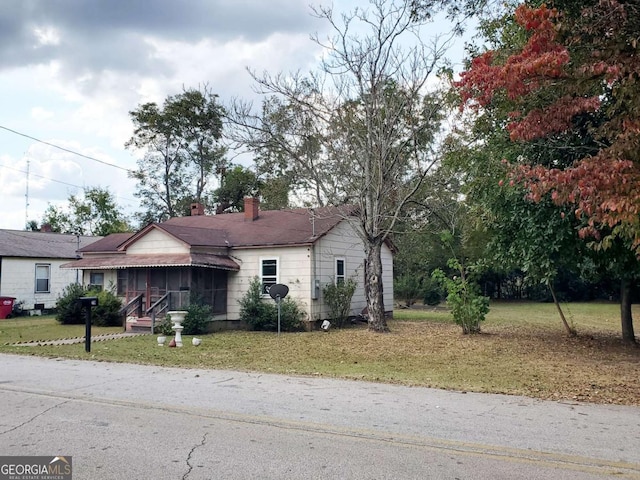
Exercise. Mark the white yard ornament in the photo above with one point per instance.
(177, 317)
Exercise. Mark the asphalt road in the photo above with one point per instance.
(121, 421)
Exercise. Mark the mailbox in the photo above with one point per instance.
(88, 301)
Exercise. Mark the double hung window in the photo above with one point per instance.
(268, 273)
(43, 278)
(96, 281)
(340, 274)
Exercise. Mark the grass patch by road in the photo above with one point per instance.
(522, 350)
(40, 328)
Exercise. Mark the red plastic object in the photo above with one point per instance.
(6, 306)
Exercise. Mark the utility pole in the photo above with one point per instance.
(78, 257)
(26, 196)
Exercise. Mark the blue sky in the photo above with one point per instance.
(71, 70)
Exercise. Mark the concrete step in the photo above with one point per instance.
(142, 324)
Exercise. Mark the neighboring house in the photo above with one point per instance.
(217, 256)
(30, 266)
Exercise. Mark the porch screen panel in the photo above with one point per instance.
(158, 283)
(210, 286)
(220, 280)
(177, 279)
(123, 282)
(137, 282)
(140, 279)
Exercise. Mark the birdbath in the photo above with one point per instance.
(177, 317)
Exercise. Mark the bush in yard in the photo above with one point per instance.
(291, 316)
(163, 327)
(338, 297)
(261, 314)
(197, 317)
(69, 311)
(408, 288)
(468, 307)
(107, 312)
(253, 310)
(432, 292)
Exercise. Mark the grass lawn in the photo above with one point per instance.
(522, 350)
(39, 328)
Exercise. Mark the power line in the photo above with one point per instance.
(64, 149)
(41, 176)
(59, 181)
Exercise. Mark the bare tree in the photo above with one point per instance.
(360, 131)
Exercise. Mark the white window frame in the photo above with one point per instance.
(40, 266)
(93, 285)
(272, 279)
(340, 278)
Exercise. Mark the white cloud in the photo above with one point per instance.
(40, 114)
(47, 36)
(71, 72)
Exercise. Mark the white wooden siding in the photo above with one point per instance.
(293, 271)
(157, 241)
(19, 276)
(340, 242)
(343, 242)
(296, 270)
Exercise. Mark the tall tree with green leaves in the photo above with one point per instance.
(182, 150)
(94, 213)
(237, 183)
(361, 130)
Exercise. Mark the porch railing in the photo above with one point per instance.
(134, 307)
(172, 300)
(158, 309)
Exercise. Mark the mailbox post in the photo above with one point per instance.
(87, 303)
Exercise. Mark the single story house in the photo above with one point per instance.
(30, 266)
(217, 256)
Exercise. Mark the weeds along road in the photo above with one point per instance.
(120, 421)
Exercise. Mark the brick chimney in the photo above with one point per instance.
(46, 227)
(251, 205)
(197, 209)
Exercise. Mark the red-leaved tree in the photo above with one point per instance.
(579, 71)
(568, 68)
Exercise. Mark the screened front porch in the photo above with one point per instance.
(172, 288)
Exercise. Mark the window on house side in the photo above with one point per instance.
(96, 281)
(340, 271)
(43, 277)
(268, 273)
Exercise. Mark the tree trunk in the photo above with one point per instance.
(625, 312)
(570, 331)
(373, 288)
